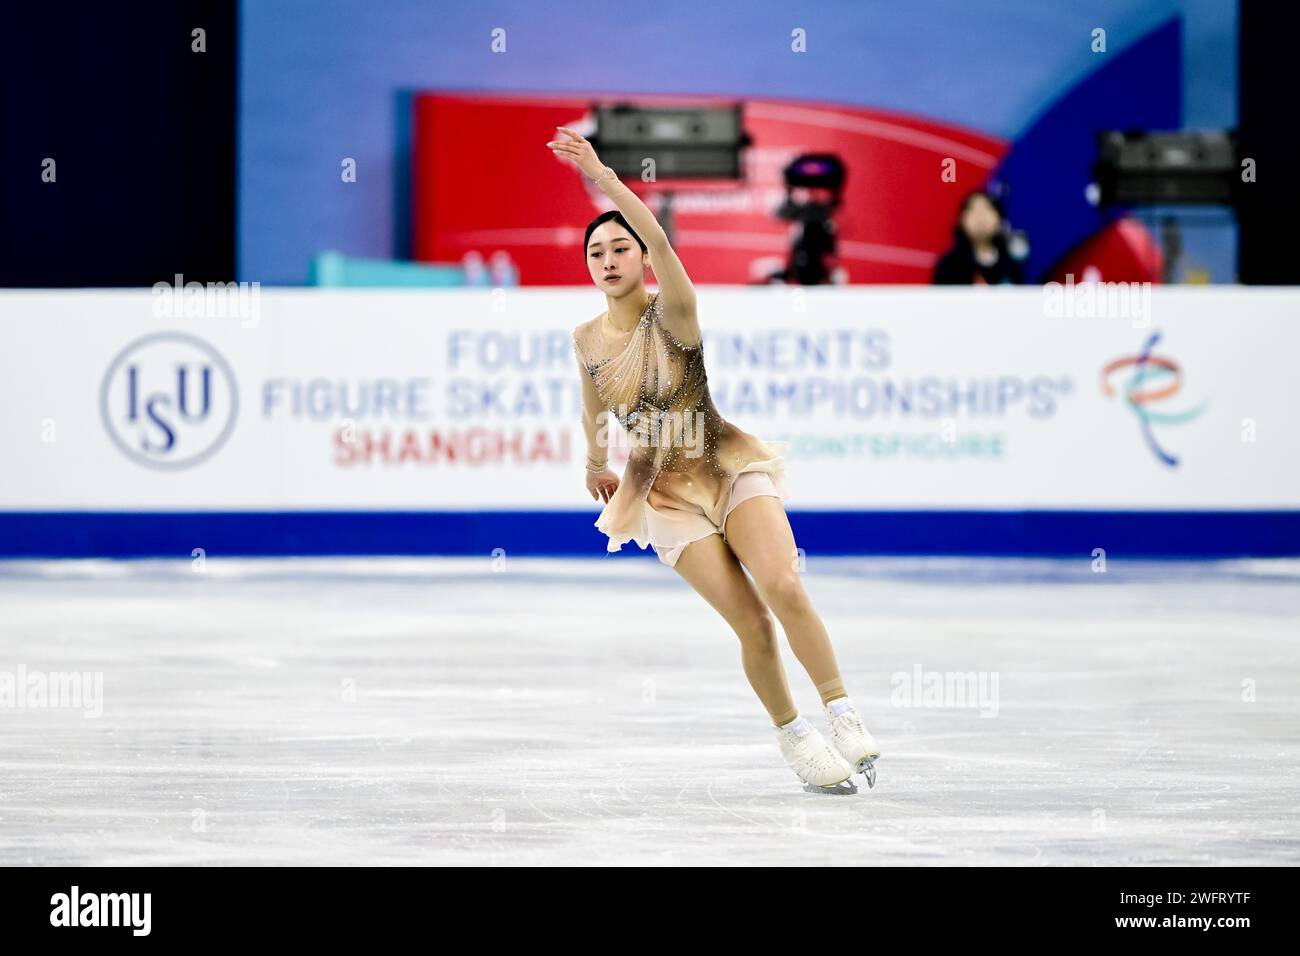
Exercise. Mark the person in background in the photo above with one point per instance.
(979, 254)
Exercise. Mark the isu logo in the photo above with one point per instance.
(168, 400)
(1154, 379)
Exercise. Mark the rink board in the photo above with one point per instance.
(1153, 421)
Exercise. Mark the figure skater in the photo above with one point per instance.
(705, 494)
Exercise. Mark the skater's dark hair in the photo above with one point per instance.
(604, 217)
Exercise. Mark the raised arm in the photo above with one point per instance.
(676, 293)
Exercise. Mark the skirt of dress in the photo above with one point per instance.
(673, 528)
(684, 506)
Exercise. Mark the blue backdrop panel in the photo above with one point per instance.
(533, 533)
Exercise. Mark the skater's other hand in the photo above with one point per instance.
(602, 485)
(578, 151)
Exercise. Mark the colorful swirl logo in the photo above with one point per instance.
(1154, 379)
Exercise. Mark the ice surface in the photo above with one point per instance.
(461, 711)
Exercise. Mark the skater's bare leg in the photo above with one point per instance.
(710, 567)
(759, 534)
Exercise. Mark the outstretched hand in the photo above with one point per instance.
(578, 151)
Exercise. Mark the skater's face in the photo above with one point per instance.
(611, 253)
(980, 219)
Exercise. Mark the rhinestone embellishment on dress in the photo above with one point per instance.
(650, 380)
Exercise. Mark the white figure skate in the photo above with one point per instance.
(820, 768)
(854, 743)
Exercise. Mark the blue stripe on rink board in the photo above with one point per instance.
(105, 534)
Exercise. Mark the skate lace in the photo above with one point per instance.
(850, 720)
(850, 724)
(806, 749)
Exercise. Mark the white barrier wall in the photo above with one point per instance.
(468, 400)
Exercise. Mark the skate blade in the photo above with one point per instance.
(844, 787)
(867, 767)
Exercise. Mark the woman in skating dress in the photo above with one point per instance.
(706, 495)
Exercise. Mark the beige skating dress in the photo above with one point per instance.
(685, 457)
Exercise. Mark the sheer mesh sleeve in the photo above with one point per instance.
(658, 313)
(577, 351)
